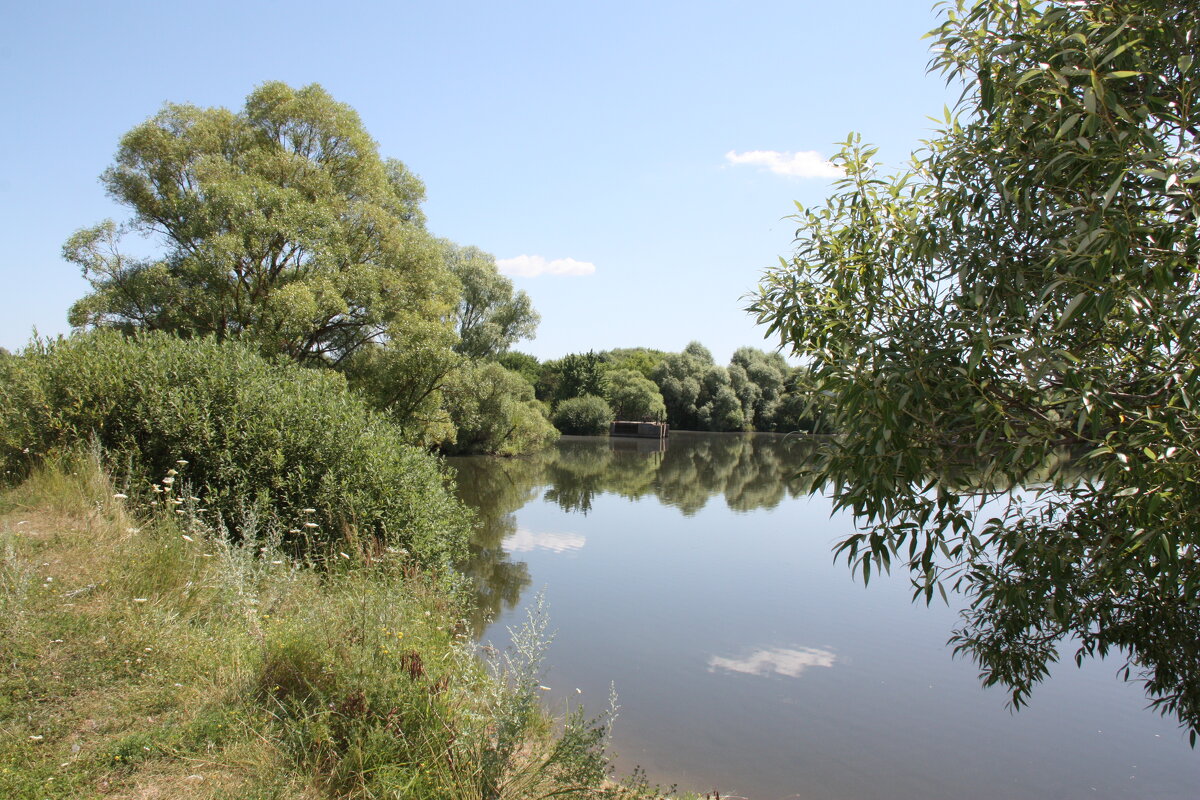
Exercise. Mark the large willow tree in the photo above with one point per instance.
(279, 223)
(1025, 295)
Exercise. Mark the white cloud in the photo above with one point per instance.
(532, 266)
(801, 164)
(524, 541)
(781, 661)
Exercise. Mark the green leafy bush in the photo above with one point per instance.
(583, 416)
(633, 396)
(494, 411)
(259, 438)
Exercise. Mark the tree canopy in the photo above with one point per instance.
(490, 316)
(634, 397)
(697, 392)
(280, 224)
(1024, 294)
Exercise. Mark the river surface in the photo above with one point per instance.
(699, 579)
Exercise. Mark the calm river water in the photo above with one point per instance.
(747, 661)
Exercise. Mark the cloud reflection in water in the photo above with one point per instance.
(524, 541)
(779, 660)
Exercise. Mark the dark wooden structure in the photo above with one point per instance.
(640, 430)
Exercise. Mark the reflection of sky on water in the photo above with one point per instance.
(781, 661)
(525, 541)
(699, 611)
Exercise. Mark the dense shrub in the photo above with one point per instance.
(259, 437)
(494, 411)
(583, 416)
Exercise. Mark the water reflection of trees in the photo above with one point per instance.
(750, 471)
(1037, 594)
(495, 488)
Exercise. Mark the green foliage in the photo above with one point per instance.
(490, 317)
(280, 224)
(759, 380)
(588, 415)
(525, 365)
(573, 375)
(1028, 288)
(404, 380)
(634, 397)
(698, 394)
(494, 411)
(261, 440)
(641, 359)
(801, 408)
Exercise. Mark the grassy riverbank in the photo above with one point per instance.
(145, 657)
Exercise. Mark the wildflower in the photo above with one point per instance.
(139, 599)
(182, 462)
(187, 538)
(276, 562)
(343, 555)
(120, 496)
(309, 510)
(311, 525)
(167, 481)
(36, 738)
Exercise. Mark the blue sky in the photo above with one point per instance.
(606, 134)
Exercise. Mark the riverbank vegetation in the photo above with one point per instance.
(281, 226)
(757, 391)
(217, 431)
(150, 654)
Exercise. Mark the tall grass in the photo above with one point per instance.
(153, 655)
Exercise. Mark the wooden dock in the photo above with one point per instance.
(640, 430)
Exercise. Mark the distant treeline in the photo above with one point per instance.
(757, 391)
